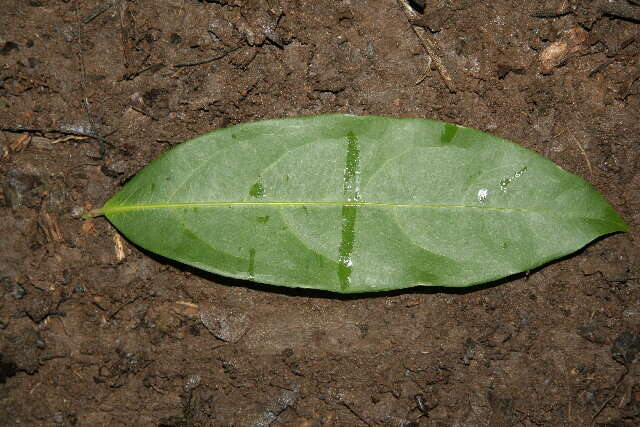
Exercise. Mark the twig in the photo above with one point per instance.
(619, 9)
(22, 142)
(43, 131)
(207, 60)
(356, 414)
(584, 154)
(429, 43)
(626, 92)
(116, 311)
(69, 138)
(52, 356)
(50, 227)
(145, 113)
(83, 73)
(561, 9)
(615, 391)
(187, 304)
(133, 75)
(124, 35)
(599, 68)
(99, 11)
(604, 405)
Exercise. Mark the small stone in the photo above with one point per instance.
(192, 382)
(223, 31)
(226, 325)
(371, 49)
(18, 292)
(592, 331)
(77, 212)
(626, 347)
(8, 47)
(469, 351)
(8, 369)
(17, 189)
(417, 5)
(38, 308)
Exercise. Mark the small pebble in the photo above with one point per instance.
(58, 418)
(227, 326)
(626, 347)
(18, 292)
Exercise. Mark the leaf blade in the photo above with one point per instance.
(358, 204)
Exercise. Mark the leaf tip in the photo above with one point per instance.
(624, 227)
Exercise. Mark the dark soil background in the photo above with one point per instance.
(93, 331)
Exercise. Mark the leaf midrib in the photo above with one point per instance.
(184, 205)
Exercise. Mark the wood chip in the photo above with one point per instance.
(119, 247)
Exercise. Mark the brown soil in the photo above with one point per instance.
(93, 331)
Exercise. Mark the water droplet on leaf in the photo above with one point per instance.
(483, 193)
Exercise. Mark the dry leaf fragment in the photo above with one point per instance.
(558, 52)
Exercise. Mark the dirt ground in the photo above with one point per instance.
(94, 331)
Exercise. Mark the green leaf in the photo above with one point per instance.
(358, 204)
